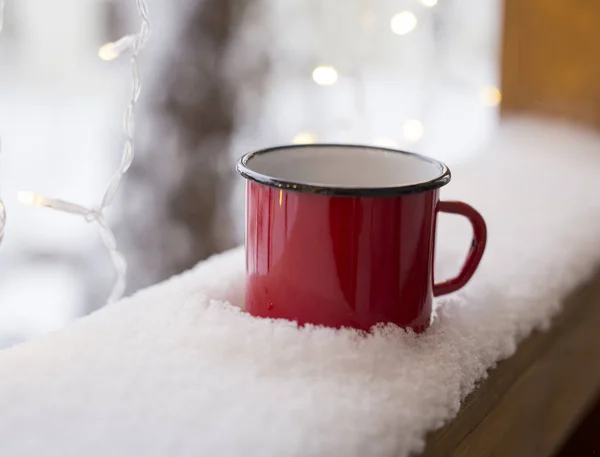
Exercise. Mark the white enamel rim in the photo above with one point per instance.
(341, 169)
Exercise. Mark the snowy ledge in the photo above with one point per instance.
(177, 370)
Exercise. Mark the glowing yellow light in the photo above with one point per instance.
(280, 196)
(325, 76)
(413, 130)
(490, 95)
(429, 3)
(403, 23)
(30, 198)
(385, 142)
(108, 51)
(304, 138)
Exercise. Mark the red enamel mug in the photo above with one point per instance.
(343, 236)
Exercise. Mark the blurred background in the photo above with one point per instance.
(219, 78)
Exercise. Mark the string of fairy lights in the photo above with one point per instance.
(97, 214)
(402, 23)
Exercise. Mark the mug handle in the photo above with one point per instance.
(475, 251)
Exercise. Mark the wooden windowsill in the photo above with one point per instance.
(532, 401)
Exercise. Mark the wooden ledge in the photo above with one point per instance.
(532, 401)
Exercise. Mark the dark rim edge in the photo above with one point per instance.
(259, 178)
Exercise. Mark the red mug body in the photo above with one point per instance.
(334, 249)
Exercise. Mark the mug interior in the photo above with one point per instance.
(340, 166)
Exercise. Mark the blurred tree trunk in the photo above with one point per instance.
(178, 190)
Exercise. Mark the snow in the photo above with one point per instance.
(178, 369)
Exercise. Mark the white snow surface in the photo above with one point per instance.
(180, 370)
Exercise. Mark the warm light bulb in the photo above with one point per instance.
(385, 142)
(304, 138)
(403, 23)
(111, 51)
(490, 95)
(429, 3)
(413, 130)
(325, 76)
(30, 198)
(108, 52)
